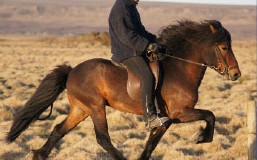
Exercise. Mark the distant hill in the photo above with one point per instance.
(64, 17)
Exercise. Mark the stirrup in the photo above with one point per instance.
(156, 122)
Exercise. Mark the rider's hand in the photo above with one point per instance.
(155, 48)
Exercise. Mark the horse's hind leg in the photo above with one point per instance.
(75, 116)
(101, 130)
(153, 140)
(191, 115)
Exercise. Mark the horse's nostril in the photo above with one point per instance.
(236, 75)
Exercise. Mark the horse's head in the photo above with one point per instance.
(222, 56)
(186, 38)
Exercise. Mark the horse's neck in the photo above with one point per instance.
(189, 73)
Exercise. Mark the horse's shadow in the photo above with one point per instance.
(16, 155)
(224, 131)
(103, 156)
(191, 152)
(106, 156)
(13, 155)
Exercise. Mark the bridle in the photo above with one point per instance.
(221, 61)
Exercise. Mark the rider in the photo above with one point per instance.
(129, 45)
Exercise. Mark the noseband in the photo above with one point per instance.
(221, 61)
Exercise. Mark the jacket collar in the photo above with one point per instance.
(130, 2)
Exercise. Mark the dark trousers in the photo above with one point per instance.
(139, 66)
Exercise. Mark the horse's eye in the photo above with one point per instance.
(224, 48)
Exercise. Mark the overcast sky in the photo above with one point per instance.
(236, 2)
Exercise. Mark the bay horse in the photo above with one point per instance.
(97, 83)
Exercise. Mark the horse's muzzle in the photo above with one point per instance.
(235, 75)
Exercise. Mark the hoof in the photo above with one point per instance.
(204, 137)
(37, 155)
(200, 137)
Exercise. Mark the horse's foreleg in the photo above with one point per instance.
(102, 135)
(74, 118)
(191, 115)
(153, 140)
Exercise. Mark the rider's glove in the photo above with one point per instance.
(156, 48)
(153, 48)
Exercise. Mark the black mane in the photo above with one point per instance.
(181, 36)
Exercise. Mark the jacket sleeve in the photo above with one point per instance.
(124, 28)
(151, 37)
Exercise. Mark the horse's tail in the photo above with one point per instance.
(47, 92)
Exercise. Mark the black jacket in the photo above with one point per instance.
(128, 35)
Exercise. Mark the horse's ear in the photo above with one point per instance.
(213, 29)
(215, 26)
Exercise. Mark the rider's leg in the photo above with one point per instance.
(140, 67)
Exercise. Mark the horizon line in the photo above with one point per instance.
(202, 2)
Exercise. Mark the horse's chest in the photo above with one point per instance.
(182, 97)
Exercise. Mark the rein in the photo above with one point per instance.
(189, 61)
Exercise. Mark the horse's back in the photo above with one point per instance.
(94, 75)
(91, 67)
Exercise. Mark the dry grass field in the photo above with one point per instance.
(26, 60)
(35, 37)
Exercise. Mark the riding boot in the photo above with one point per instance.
(151, 117)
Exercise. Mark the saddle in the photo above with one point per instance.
(133, 83)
